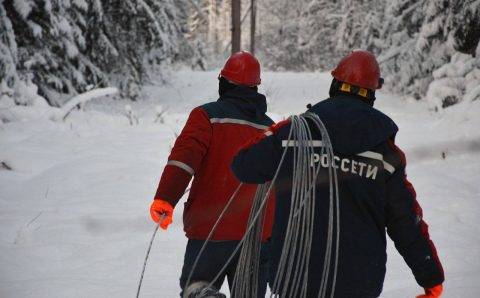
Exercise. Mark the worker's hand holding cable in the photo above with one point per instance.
(433, 292)
(162, 213)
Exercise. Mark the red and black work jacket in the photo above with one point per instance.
(212, 135)
(375, 198)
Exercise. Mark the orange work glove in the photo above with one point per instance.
(434, 292)
(161, 212)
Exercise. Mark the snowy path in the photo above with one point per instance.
(74, 208)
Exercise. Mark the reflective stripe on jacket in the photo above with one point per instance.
(375, 197)
(204, 149)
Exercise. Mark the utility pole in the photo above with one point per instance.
(236, 25)
(253, 21)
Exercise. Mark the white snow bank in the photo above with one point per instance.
(35, 107)
(455, 81)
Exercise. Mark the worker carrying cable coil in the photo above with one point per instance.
(347, 252)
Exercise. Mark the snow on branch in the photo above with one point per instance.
(473, 94)
(63, 112)
(198, 9)
(152, 17)
(396, 51)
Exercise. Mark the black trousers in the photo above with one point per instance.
(213, 258)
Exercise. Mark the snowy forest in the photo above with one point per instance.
(64, 47)
(96, 94)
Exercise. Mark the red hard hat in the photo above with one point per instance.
(242, 68)
(359, 68)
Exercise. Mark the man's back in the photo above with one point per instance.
(235, 118)
(203, 150)
(371, 198)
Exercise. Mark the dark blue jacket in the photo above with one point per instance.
(375, 197)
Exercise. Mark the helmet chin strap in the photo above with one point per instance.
(367, 95)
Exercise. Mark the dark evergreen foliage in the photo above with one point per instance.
(69, 46)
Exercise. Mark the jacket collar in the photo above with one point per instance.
(249, 101)
(354, 126)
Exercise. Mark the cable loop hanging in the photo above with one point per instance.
(291, 278)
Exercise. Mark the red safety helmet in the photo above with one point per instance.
(242, 68)
(359, 68)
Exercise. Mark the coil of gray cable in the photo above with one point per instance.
(291, 279)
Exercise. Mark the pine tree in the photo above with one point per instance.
(129, 37)
(69, 46)
(8, 54)
(283, 40)
(208, 27)
(417, 40)
(467, 24)
(403, 20)
(370, 32)
(320, 34)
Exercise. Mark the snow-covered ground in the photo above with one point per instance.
(74, 216)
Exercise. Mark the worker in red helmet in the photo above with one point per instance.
(204, 149)
(375, 196)
(357, 74)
